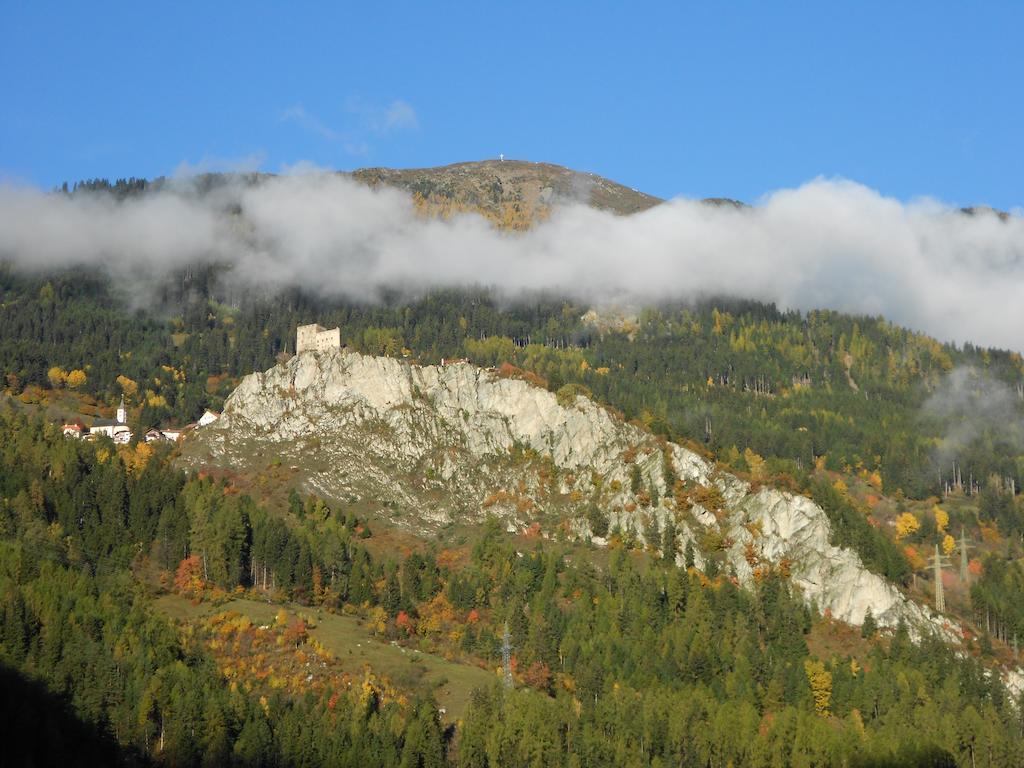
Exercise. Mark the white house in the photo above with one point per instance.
(170, 434)
(73, 430)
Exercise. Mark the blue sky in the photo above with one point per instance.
(698, 99)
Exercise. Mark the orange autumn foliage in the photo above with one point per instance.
(436, 615)
(538, 676)
(990, 534)
(296, 633)
(914, 557)
(405, 622)
(188, 576)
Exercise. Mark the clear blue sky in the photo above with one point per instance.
(700, 99)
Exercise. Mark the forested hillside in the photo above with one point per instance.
(854, 392)
(91, 532)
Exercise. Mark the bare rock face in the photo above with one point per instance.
(437, 444)
(795, 529)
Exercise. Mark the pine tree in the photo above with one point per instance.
(868, 627)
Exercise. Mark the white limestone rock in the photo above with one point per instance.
(795, 529)
(436, 441)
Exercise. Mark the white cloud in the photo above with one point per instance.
(379, 120)
(370, 120)
(299, 115)
(400, 115)
(831, 244)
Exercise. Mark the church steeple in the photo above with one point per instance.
(122, 412)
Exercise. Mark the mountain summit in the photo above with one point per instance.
(512, 193)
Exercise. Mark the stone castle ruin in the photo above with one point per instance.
(316, 338)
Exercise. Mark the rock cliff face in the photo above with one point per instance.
(439, 444)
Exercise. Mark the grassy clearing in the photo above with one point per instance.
(354, 647)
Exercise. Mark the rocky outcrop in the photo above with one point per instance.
(781, 527)
(437, 444)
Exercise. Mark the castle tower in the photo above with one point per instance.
(122, 412)
(316, 338)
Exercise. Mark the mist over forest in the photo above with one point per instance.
(827, 244)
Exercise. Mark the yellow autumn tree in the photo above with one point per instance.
(436, 614)
(907, 524)
(874, 479)
(378, 620)
(76, 378)
(820, 680)
(128, 386)
(941, 518)
(136, 459)
(154, 400)
(948, 544)
(57, 376)
(318, 584)
(755, 463)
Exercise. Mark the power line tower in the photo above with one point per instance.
(506, 657)
(964, 544)
(938, 563)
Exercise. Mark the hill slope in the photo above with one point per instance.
(455, 443)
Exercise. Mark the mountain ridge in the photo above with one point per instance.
(514, 194)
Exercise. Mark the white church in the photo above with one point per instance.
(117, 429)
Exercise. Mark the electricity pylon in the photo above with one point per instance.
(506, 657)
(939, 561)
(964, 544)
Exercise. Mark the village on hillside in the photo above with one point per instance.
(312, 337)
(117, 429)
